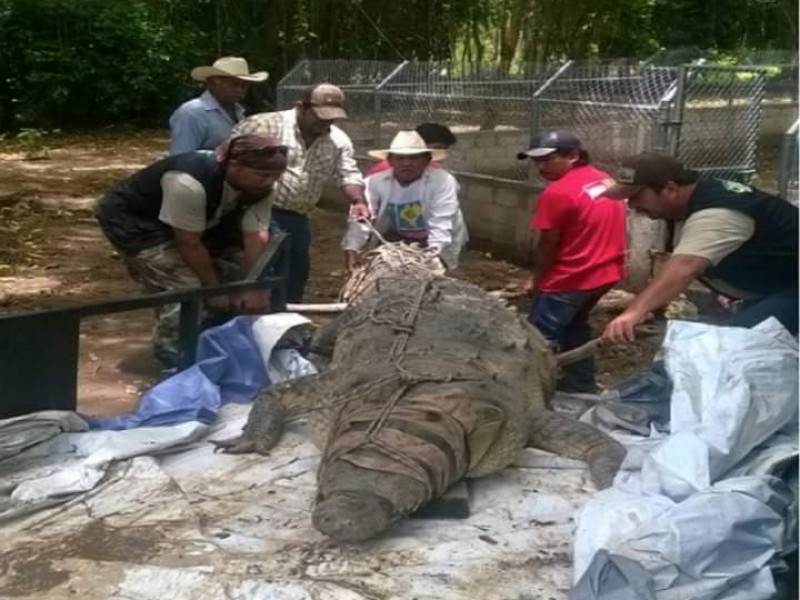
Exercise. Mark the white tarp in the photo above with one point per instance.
(696, 519)
(196, 525)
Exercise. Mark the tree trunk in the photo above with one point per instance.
(510, 34)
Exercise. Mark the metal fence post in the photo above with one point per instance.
(188, 333)
(280, 294)
(377, 101)
(787, 176)
(676, 121)
(536, 112)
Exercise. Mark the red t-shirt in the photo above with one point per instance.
(591, 250)
(385, 166)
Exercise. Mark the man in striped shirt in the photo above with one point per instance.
(318, 152)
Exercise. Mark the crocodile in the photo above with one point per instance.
(430, 380)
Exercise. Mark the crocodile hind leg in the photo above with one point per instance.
(575, 439)
(269, 413)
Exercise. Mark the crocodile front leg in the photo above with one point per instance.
(271, 410)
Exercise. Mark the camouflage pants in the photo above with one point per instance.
(161, 268)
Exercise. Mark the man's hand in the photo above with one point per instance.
(220, 303)
(255, 302)
(360, 210)
(621, 329)
(531, 286)
(352, 260)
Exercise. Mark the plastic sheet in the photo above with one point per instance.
(704, 516)
(230, 367)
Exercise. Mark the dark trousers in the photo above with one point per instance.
(299, 229)
(563, 319)
(783, 306)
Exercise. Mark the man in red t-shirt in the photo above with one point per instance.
(436, 136)
(581, 249)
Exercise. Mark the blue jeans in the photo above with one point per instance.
(299, 229)
(563, 319)
(783, 306)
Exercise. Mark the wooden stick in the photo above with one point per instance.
(329, 307)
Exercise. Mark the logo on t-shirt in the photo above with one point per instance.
(408, 219)
(735, 186)
(595, 189)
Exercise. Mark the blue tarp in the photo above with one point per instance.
(229, 368)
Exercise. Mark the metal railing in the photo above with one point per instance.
(39, 354)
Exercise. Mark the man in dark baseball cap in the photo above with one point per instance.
(649, 170)
(580, 249)
(737, 240)
(555, 141)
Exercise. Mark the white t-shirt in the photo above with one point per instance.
(405, 210)
(183, 205)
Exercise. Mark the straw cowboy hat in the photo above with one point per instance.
(228, 66)
(408, 143)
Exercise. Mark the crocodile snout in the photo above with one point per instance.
(352, 516)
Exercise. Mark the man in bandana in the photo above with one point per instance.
(196, 219)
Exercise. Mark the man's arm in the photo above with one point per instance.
(707, 237)
(255, 243)
(194, 253)
(673, 278)
(442, 212)
(187, 131)
(357, 233)
(546, 249)
(350, 180)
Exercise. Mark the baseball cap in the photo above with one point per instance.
(648, 169)
(552, 142)
(326, 100)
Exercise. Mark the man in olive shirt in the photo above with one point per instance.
(737, 240)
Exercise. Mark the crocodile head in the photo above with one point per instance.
(352, 516)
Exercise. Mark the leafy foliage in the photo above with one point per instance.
(76, 63)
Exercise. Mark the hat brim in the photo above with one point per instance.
(622, 191)
(536, 153)
(329, 113)
(203, 73)
(436, 153)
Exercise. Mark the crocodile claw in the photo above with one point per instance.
(237, 445)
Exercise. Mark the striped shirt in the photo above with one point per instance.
(329, 158)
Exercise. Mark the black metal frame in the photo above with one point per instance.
(39, 349)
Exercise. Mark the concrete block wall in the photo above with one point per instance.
(498, 213)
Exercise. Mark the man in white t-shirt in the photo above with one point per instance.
(195, 219)
(411, 202)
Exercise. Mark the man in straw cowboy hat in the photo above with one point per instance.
(319, 152)
(195, 219)
(411, 202)
(205, 122)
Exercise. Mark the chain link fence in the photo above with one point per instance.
(710, 115)
(720, 110)
(617, 108)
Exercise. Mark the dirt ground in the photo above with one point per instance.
(52, 254)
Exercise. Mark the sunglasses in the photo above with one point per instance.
(272, 150)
